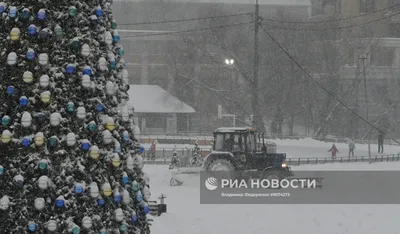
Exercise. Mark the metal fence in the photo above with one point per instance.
(310, 161)
(207, 140)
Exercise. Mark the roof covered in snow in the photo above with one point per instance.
(154, 99)
(234, 129)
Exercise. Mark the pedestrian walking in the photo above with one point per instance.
(380, 142)
(153, 150)
(352, 147)
(333, 151)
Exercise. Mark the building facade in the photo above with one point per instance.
(372, 28)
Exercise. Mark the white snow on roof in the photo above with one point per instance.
(154, 99)
(232, 129)
(252, 2)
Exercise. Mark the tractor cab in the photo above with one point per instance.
(235, 140)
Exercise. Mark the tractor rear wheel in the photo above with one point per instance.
(221, 165)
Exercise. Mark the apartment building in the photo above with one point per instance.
(372, 27)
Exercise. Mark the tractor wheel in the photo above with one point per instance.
(272, 175)
(223, 166)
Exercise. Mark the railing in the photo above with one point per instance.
(207, 140)
(308, 161)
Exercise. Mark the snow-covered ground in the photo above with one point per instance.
(302, 148)
(187, 216)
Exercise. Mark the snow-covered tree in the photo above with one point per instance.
(69, 159)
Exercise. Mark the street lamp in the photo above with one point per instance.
(229, 61)
(363, 57)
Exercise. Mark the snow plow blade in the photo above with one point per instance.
(189, 170)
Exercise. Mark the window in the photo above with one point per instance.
(350, 58)
(251, 142)
(394, 30)
(219, 142)
(367, 6)
(393, 2)
(382, 56)
(317, 9)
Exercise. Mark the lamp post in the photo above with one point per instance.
(229, 63)
(363, 57)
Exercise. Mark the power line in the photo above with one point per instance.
(321, 86)
(186, 31)
(333, 20)
(184, 20)
(336, 28)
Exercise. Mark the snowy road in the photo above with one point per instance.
(187, 216)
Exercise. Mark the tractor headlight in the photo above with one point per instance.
(284, 165)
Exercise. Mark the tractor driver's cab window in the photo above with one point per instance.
(251, 142)
(219, 142)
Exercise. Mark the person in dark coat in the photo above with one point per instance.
(380, 142)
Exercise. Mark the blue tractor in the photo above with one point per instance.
(244, 149)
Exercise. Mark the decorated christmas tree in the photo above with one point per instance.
(69, 159)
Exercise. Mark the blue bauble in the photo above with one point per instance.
(26, 14)
(78, 188)
(85, 146)
(60, 203)
(134, 217)
(125, 136)
(117, 198)
(100, 202)
(125, 180)
(30, 55)
(99, 12)
(141, 149)
(117, 149)
(99, 107)
(32, 30)
(41, 15)
(87, 71)
(139, 196)
(116, 38)
(23, 102)
(41, 116)
(70, 69)
(10, 90)
(113, 64)
(32, 227)
(146, 210)
(2, 8)
(13, 12)
(26, 142)
(2, 170)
